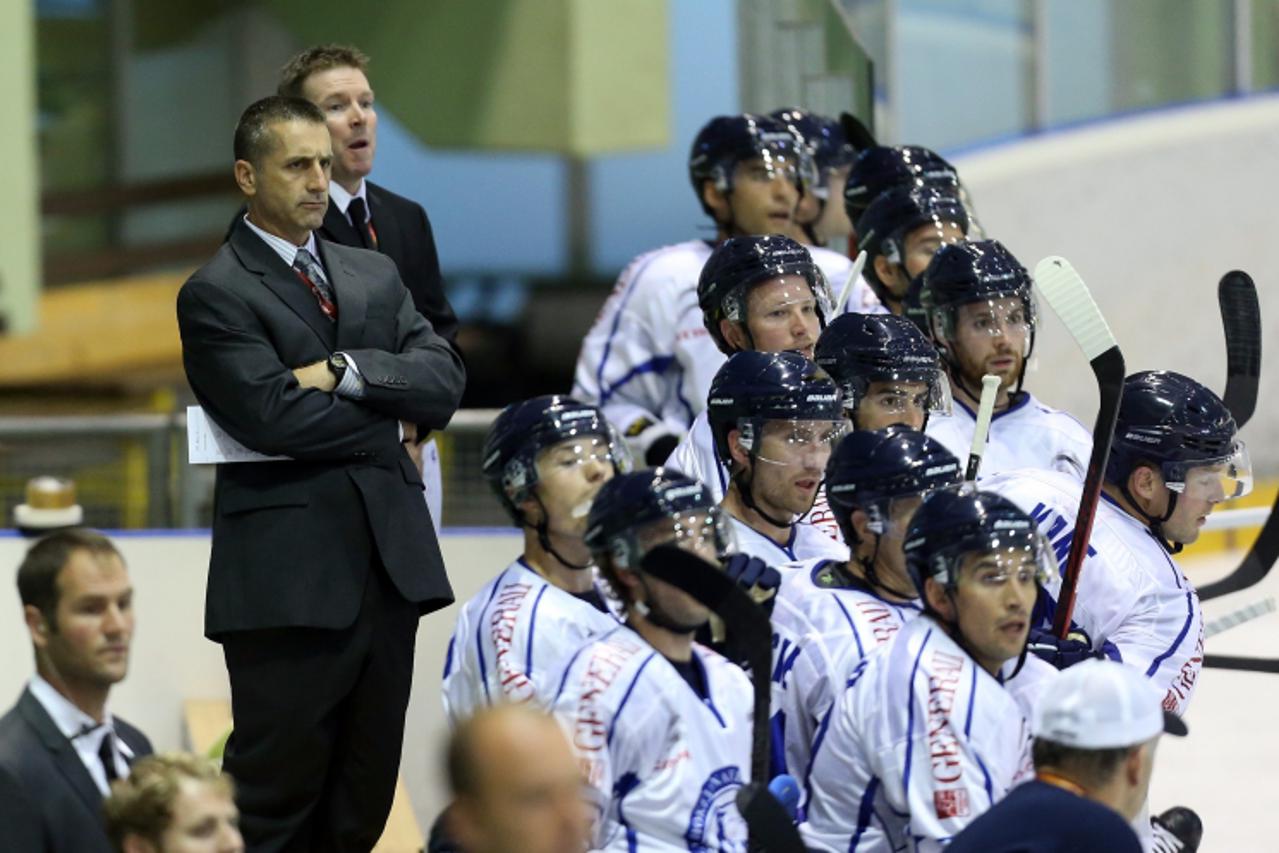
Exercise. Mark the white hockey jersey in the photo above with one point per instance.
(512, 641)
(662, 766)
(921, 742)
(806, 543)
(1026, 435)
(1135, 602)
(825, 622)
(648, 356)
(697, 457)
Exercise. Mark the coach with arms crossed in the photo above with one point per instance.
(322, 564)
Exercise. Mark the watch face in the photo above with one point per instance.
(338, 361)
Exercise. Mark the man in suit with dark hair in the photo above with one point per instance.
(60, 748)
(321, 564)
(361, 213)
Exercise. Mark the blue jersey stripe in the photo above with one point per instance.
(972, 703)
(1185, 629)
(656, 364)
(910, 710)
(818, 738)
(617, 320)
(569, 667)
(864, 812)
(479, 637)
(617, 715)
(532, 626)
(861, 652)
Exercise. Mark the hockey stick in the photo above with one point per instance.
(1241, 319)
(859, 263)
(750, 640)
(1242, 663)
(1070, 299)
(1238, 617)
(985, 410)
(856, 132)
(1255, 564)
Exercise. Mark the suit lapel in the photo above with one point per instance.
(63, 754)
(258, 258)
(389, 241)
(352, 297)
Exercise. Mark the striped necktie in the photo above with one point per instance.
(310, 271)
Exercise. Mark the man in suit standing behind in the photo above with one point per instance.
(362, 213)
(60, 748)
(321, 564)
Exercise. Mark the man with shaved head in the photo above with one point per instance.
(516, 785)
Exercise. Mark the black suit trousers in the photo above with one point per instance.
(319, 725)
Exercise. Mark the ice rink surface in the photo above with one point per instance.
(1227, 768)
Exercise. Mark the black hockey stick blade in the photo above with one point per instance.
(1242, 663)
(1070, 299)
(856, 132)
(1255, 565)
(1241, 319)
(749, 639)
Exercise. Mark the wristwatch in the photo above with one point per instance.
(337, 366)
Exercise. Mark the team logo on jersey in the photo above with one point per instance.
(951, 802)
(715, 823)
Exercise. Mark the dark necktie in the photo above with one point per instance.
(107, 756)
(310, 271)
(363, 223)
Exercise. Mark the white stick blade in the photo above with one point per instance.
(1066, 292)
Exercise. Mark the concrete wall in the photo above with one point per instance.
(172, 662)
(1151, 210)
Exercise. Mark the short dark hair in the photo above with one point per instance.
(45, 560)
(321, 57)
(1090, 767)
(253, 137)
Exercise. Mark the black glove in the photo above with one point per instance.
(1048, 647)
(755, 576)
(660, 450)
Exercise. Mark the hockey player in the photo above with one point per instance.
(1175, 455)
(775, 418)
(889, 372)
(818, 221)
(900, 232)
(545, 458)
(661, 724)
(883, 167)
(925, 737)
(981, 314)
(830, 614)
(647, 360)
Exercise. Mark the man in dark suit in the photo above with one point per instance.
(60, 748)
(361, 213)
(322, 564)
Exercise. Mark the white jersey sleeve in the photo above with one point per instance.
(634, 359)
(695, 456)
(1135, 602)
(1027, 435)
(805, 543)
(836, 267)
(662, 764)
(921, 742)
(512, 641)
(825, 623)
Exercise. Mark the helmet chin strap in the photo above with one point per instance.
(746, 485)
(655, 615)
(952, 628)
(544, 539)
(872, 576)
(1156, 524)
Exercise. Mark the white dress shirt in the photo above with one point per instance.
(84, 732)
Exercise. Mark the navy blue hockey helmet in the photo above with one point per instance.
(871, 468)
(969, 272)
(629, 503)
(752, 388)
(881, 168)
(858, 349)
(824, 137)
(1171, 422)
(738, 264)
(726, 141)
(950, 525)
(896, 213)
(524, 429)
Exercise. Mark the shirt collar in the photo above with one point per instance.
(69, 719)
(340, 197)
(282, 247)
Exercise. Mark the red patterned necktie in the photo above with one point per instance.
(310, 271)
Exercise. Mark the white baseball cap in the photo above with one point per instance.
(1101, 704)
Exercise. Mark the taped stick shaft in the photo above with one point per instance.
(859, 263)
(981, 432)
(1238, 617)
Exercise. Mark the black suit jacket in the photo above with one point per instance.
(49, 802)
(293, 541)
(404, 234)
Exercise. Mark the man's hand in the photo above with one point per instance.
(316, 375)
(411, 444)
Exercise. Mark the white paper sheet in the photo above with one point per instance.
(209, 444)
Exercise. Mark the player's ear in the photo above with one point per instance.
(37, 625)
(734, 335)
(246, 178)
(739, 453)
(717, 201)
(1143, 484)
(938, 600)
(861, 527)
